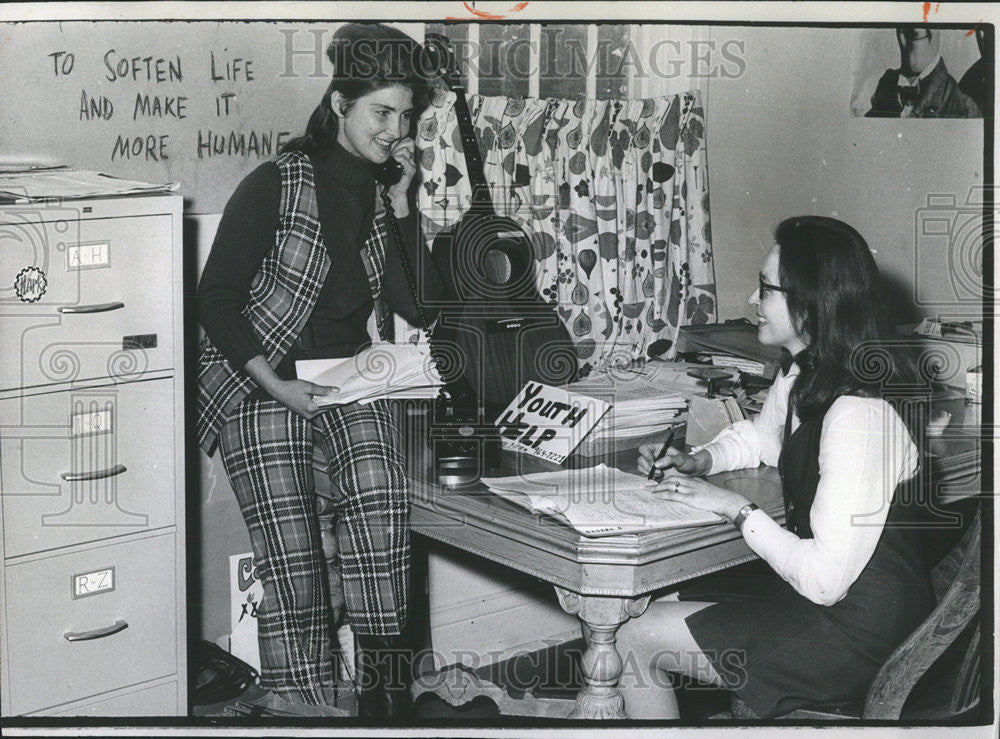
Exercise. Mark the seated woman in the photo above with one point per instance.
(844, 582)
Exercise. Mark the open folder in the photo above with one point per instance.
(383, 370)
(597, 501)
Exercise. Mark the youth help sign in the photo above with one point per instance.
(548, 422)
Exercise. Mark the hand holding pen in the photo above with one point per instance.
(654, 471)
(655, 458)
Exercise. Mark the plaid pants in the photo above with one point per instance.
(268, 452)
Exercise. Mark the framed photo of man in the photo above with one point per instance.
(923, 71)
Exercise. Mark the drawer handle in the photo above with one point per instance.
(114, 628)
(95, 308)
(96, 475)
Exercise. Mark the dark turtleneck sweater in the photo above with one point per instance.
(337, 327)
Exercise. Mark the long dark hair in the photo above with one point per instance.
(365, 57)
(836, 301)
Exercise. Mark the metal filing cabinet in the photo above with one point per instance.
(92, 593)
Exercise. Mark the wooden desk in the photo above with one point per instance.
(604, 581)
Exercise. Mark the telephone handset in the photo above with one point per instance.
(389, 172)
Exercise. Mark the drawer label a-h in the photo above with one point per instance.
(88, 255)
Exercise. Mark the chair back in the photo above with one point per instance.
(957, 607)
(957, 586)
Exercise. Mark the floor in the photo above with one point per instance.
(550, 673)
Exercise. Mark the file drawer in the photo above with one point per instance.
(90, 298)
(158, 700)
(81, 631)
(91, 457)
(83, 465)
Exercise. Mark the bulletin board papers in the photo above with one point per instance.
(69, 184)
(383, 370)
(597, 501)
(548, 422)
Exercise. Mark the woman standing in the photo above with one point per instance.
(303, 255)
(845, 581)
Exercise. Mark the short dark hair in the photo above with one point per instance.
(837, 302)
(365, 57)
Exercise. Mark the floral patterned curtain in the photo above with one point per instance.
(615, 195)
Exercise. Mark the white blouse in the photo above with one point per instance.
(865, 452)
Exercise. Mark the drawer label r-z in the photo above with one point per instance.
(93, 583)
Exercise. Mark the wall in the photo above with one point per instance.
(782, 142)
(781, 138)
(216, 519)
(195, 102)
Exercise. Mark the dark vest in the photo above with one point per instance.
(892, 595)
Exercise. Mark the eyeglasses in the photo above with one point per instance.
(915, 34)
(765, 286)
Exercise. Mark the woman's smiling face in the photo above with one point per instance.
(375, 122)
(775, 326)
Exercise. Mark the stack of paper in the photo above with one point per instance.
(382, 371)
(597, 501)
(750, 366)
(644, 400)
(20, 166)
(632, 418)
(35, 184)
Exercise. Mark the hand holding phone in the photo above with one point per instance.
(400, 167)
(396, 174)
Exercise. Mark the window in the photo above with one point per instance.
(562, 60)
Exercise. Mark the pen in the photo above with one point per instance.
(659, 455)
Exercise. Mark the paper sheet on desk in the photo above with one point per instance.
(382, 371)
(597, 501)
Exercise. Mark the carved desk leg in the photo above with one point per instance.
(601, 664)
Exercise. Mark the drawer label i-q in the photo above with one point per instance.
(94, 583)
(91, 422)
(89, 255)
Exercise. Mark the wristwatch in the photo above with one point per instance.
(742, 515)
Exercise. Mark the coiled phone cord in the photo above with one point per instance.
(425, 328)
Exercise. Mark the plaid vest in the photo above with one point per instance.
(282, 294)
